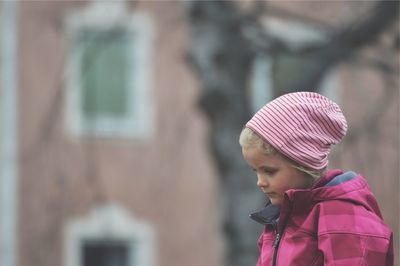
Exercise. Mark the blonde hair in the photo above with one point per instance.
(248, 138)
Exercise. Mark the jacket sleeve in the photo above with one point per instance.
(347, 249)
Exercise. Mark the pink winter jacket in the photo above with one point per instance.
(337, 222)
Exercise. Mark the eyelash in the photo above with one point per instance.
(268, 172)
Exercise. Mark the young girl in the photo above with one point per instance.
(313, 216)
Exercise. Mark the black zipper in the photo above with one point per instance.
(276, 245)
(278, 238)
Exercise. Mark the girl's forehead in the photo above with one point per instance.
(255, 155)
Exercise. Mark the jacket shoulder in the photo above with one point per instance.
(343, 216)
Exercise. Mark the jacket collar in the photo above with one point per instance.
(270, 213)
(267, 215)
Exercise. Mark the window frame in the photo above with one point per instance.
(139, 121)
(110, 222)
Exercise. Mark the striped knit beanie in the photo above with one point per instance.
(302, 126)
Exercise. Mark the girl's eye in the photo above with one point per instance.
(269, 171)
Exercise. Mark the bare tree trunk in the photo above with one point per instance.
(221, 58)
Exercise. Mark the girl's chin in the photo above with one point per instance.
(275, 201)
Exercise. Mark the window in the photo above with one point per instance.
(104, 94)
(109, 236)
(108, 72)
(261, 85)
(105, 253)
(269, 71)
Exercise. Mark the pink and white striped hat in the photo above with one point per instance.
(302, 126)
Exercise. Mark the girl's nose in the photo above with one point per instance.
(262, 183)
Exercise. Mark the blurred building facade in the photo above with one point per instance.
(125, 177)
(119, 177)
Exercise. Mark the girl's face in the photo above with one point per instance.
(275, 174)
